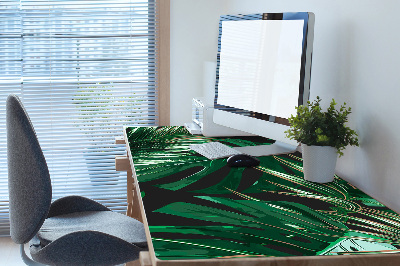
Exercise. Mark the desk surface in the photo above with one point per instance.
(202, 209)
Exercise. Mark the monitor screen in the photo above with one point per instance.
(260, 63)
(263, 71)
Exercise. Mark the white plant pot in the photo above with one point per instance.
(319, 163)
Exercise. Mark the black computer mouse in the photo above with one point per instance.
(242, 160)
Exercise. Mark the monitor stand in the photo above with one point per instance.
(265, 150)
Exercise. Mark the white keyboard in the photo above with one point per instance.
(214, 150)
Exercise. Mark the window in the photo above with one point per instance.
(83, 69)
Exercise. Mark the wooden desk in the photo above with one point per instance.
(201, 212)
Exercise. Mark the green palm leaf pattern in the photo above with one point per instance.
(201, 209)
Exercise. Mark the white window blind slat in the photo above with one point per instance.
(83, 69)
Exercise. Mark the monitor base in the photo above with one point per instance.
(266, 150)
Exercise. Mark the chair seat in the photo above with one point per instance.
(107, 222)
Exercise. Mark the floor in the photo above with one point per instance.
(9, 253)
(10, 256)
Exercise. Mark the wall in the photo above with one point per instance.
(194, 41)
(355, 60)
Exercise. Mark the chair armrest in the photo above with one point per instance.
(72, 204)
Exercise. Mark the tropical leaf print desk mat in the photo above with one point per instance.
(201, 209)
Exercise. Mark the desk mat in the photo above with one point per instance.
(201, 209)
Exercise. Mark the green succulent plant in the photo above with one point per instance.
(312, 126)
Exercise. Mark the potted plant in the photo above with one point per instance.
(323, 135)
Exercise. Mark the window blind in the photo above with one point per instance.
(83, 70)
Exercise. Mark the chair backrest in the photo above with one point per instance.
(29, 183)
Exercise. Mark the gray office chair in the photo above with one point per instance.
(70, 231)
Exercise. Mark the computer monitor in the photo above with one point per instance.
(263, 73)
